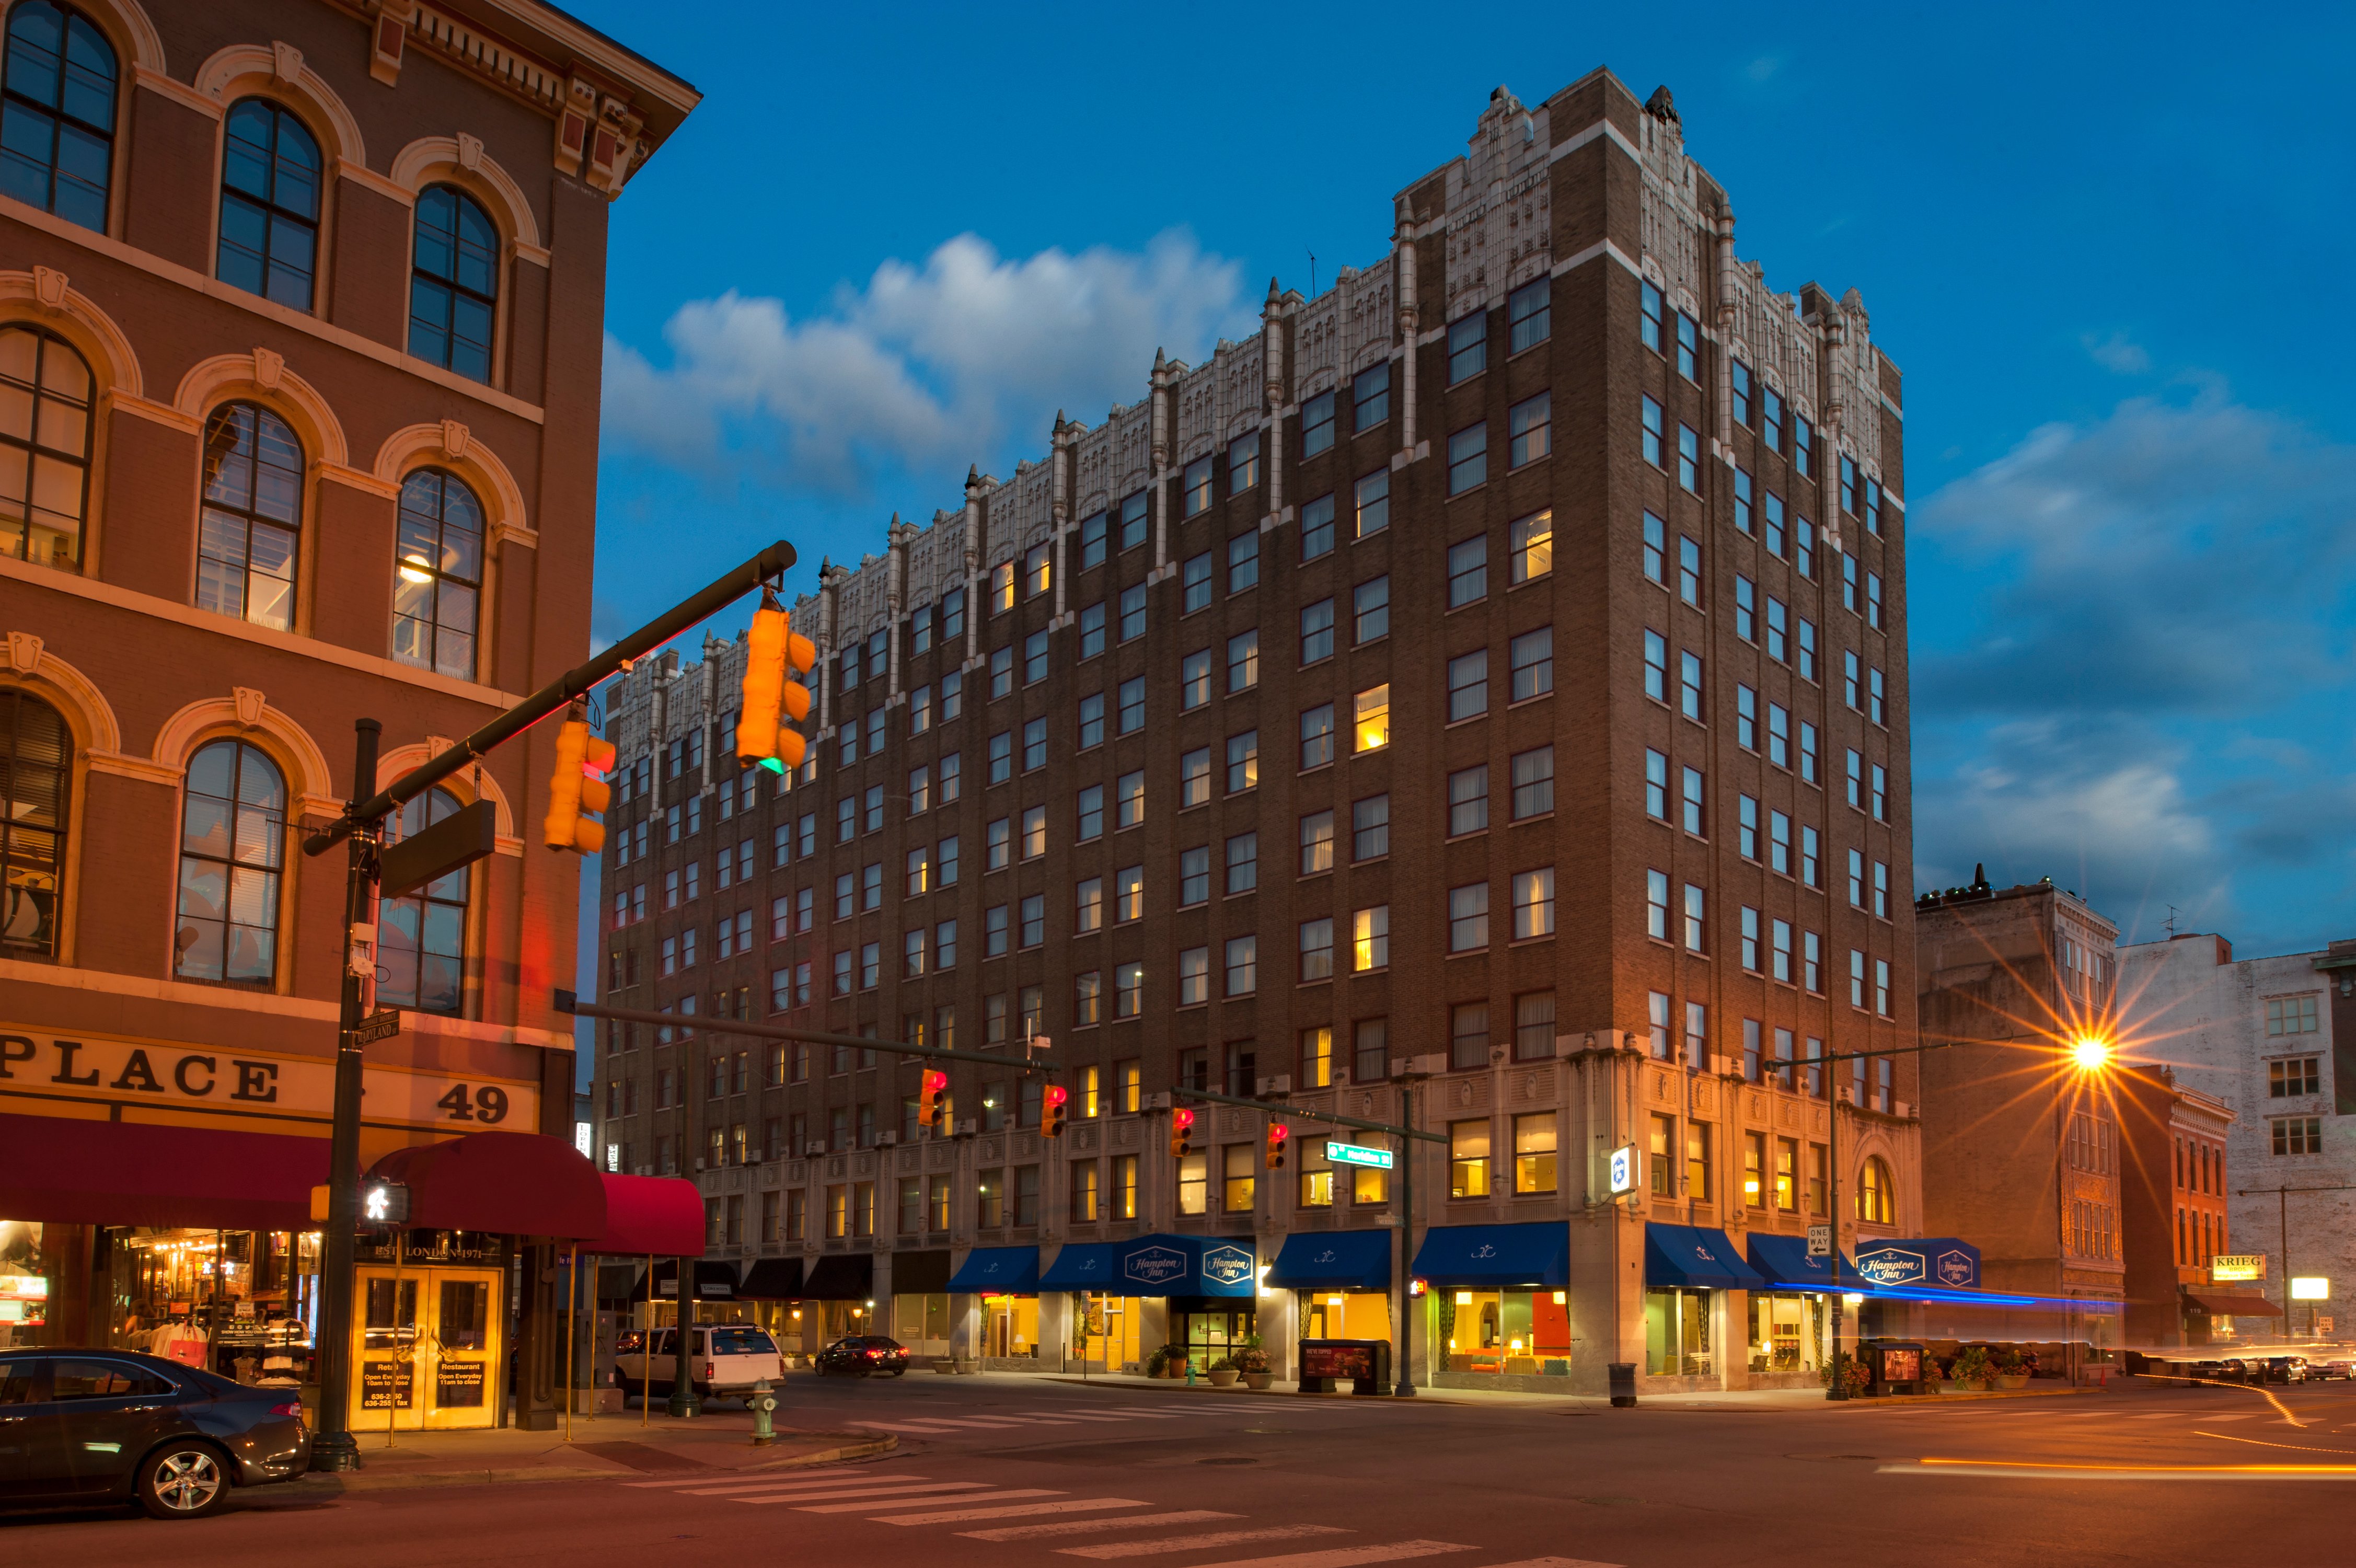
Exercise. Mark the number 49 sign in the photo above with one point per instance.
(486, 1103)
(447, 1101)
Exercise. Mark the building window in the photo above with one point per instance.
(1529, 429)
(1468, 572)
(1528, 315)
(2291, 1015)
(1243, 965)
(2301, 1075)
(252, 520)
(1243, 762)
(1468, 917)
(438, 573)
(1468, 686)
(1243, 661)
(1317, 736)
(1532, 656)
(1371, 395)
(1316, 425)
(1370, 828)
(45, 426)
(1534, 903)
(1195, 584)
(1373, 502)
(1468, 346)
(454, 286)
(1468, 1159)
(270, 204)
(1370, 605)
(1316, 842)
(1531, 548)
(36, 783)
(1243, 462)
(1371, 719)
(1317, 949)
(422, 938)
(1243, 561)
(1876, 1196)
(1316, 632)
(1468, 465)
(232, 857)
(1653, 430)
(57, 151)
(1468, 800)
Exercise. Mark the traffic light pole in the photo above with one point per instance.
(362, 825)
(566, 1001)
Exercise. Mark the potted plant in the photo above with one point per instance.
(1158, 1364)
(2009, 1371)
(1855, 1374)
(1972, 1366)
(1222, 1372)
(1252, 1362)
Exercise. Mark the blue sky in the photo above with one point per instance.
(2107, 246)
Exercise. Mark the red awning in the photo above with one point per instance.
(2235, 1306)
(516, 1184)
(659, 1216)
(72, 1172)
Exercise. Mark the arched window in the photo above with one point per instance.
(45, 426)
(421, 938)
(438, 575)
(453, 284)
(1876, 1204)
(252, 520)
(232, 857)
(270, 204)
(35, 780)
(57, 112)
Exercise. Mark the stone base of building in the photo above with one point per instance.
(1510, 1383)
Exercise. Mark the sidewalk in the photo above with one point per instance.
(615, 1447)
(1738, 1400)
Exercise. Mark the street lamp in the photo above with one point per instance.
(2090, 1053)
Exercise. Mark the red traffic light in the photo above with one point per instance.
(935, 1080)
(1056, 1095)
(1182, 1117)
(1278, 1132)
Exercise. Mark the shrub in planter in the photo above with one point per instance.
(1973, 1365)
(1222, 1372)
(1251, 1359)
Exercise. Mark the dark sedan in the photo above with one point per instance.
(99, 1426)
(864, 1356)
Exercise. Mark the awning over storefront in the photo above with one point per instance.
(1083, 1266)
(517, 1184)
(921, 1273)
(1695, 1257)
(1493, 1256)
(1164, 1265)
(1333, 1260)
(998, 1271)
(2222, 1305)
(772, 1279)
(848, 1276)
(1943, 1261)
(715, 1280)
(615, 1282)
(649, 1217)
(1784, 1263)
(69, 1171)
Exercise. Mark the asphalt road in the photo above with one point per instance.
(1000, 1471)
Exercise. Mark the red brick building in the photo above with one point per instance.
(300, 333)
(2173, 1206)
(1495, 665)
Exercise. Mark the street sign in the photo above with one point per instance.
(1623, 1169)
(1820, 1241)
(382, 1025)
(2237, 1268)
(2323, 1324)
(2309, 1287)
(1358, 1155)
(458, 839)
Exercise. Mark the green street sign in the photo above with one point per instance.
(1358, 1155)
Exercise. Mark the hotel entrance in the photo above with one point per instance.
(1209, 1328)
(429, 1350)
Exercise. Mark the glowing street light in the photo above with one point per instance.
(2089, 1053)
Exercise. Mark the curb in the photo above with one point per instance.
(336, 1485)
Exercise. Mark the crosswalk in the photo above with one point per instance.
(1120, 1531)
(1097, 1415)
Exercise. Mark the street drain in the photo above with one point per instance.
(1229, 1459)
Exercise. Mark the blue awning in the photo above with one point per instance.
(1083, 1265)
(1695, 1258)
(1334, 1259)
(1494, 1255)
(1784, 1263)
(998, 1271)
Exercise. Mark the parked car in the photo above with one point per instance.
(79, 1427)
(864, 1356)
(2341, 1366)
(724, 1359)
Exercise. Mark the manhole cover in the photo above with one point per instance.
(1229, 1459)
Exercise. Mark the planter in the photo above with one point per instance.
(2012, 1379)
(1957, 1386)
(1224, 1380)
(1258, 1381)
(967, 1366)
(944, 1365)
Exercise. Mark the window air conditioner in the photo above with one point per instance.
(1429, 1064)
(1274, 1083)
(815, 1146)
(1160, 1101)
(885, 1140)
(968, 1127)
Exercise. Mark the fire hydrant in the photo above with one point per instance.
(763, 1401)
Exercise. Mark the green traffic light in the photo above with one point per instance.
(772, 764)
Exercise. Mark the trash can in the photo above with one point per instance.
(1623, 1384)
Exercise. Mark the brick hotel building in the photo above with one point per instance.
(1494, 668)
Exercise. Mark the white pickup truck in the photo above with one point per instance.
(724, 1359)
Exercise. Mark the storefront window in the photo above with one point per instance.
(1787, 1332)
(1533, 1152)
(1503, 1332)
(1468, 1159)
(1010, 1326)
(1677, 1333)
(1346, 1315)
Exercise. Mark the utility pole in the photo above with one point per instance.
(2282, 1218)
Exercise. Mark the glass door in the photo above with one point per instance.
(466, 1360)
(384, 1360)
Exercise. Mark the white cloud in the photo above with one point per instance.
(2117, 352)
(926, 367)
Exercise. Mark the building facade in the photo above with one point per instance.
(300, 333)
(1489, 676)
(2021, 1135)
(2174, 1217)
(2274, 1040)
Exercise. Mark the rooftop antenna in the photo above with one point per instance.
(2168, 925)
(1312, 274)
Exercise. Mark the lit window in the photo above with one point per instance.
(1371, 719)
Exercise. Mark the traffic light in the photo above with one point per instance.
(1181, 1132)
(772, 697)
(1277, 1133)
(576, 789)
(928, 1097)
(1051, 1120)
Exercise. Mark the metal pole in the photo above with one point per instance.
(2282, 1216)
(572, 1007)
(1404, 1387)
(335, 1448)
(571, 1318)
(647, 1352)
(682, 1402)
(1837, 1388)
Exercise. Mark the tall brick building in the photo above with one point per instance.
(1494, 667)
(301, 308)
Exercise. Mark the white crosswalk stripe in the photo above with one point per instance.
(1556, 1563)
(1347, 1556)
(786, 1477)
(841, 1486)
(885, 1505)
(1014, 1510)
(877, 1496)
(1112, 1549)
(1089, 1526)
